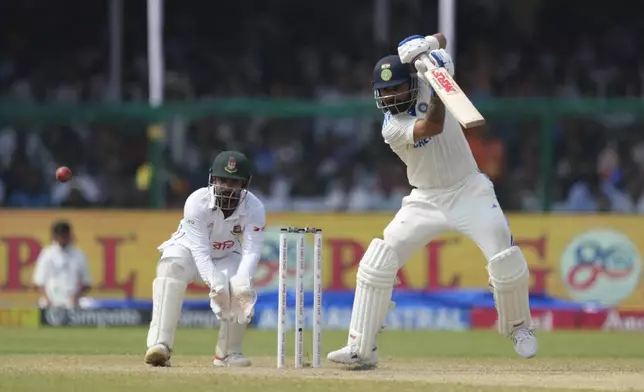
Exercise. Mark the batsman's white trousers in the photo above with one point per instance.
(470, 208)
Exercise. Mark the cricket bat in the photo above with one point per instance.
(450, 93)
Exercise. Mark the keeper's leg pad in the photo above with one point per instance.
(510, 279)
(374, 286)
(168, 291)
(229, 341)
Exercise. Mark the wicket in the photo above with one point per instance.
(299, 295)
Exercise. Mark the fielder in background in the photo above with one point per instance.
(208, 247)
(62, 272)
(450, 194)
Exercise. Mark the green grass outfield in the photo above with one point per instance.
(75, 359)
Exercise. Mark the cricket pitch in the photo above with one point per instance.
(97, 360)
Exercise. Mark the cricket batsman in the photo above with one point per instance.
(207, 247)
(450, 194)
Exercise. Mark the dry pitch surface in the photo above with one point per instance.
(111, 360)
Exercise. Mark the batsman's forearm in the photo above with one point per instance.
(433, 123)
(436, 113)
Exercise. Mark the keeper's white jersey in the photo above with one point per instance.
(204, 231)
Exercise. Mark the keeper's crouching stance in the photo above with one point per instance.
(450, 195)
(207, 247)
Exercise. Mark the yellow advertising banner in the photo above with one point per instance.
(584, 258)
(20, 317)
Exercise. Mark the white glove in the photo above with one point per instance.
(412, 47)
(438, 58)
(442, 59)
(243, 298)
(220, 296)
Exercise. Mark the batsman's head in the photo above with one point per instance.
(394, 85)
(230, 175)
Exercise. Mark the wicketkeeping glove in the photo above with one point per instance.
(220, 296)
(243, 298)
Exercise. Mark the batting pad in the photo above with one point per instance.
(374, 286)
(167, 298)
(510, 279)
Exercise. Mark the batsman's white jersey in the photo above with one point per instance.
(451, 193)
(210, 238)
(439, 162)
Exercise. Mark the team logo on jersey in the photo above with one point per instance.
(386, 74)
(257, 228)
(231, 166)
(237, 230)
(423, 107)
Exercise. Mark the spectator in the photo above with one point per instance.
(301, 161)
(31, 192)
(489, 153)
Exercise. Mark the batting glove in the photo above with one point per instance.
(442, 59)
(412, 47)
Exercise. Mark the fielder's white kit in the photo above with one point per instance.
(208, 248)
(61, 271)
(451, 195)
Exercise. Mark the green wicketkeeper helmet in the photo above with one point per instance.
(230, 165)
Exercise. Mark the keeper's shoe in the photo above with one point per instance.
(158, 355)
(232, 360)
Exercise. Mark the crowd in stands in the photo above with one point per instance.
(317, 51)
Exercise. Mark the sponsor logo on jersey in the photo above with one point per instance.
(257, 228)
(422, 143)
(223, 245)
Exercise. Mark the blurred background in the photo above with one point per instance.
(559, 84)
(289, 83)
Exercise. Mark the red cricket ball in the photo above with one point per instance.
(63, 174)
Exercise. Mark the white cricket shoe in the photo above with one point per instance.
(346, 355)
(232, 360)
(525, 342)
(158, 355)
